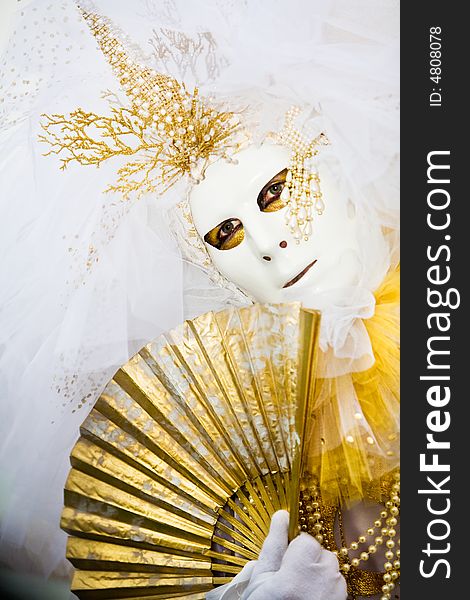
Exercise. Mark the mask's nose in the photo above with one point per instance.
(267, 235)
(282, 244)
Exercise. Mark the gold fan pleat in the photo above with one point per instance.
(188, 452)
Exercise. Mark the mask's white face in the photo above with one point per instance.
(237, 211)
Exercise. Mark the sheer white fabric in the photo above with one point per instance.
(87, 279)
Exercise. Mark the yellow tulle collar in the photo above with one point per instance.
(354, 442)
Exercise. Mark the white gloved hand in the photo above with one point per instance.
(301, 570)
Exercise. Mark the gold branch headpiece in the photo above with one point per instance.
(165, 132)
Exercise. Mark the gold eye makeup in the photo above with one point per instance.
(269, 199)
(230, 233)
(226, 235)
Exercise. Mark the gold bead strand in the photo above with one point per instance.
(391, 566)
(297, 193)
(309, 510)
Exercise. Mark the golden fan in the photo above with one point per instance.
(188, 452)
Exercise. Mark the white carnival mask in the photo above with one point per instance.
(253, 210)
(238, 211)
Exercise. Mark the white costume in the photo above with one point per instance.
(88, 278)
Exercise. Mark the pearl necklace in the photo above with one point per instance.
(319, 519)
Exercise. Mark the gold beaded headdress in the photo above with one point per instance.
(167, 132)
(302, 191)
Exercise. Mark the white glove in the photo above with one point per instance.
(301, 570)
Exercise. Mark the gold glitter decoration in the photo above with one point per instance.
(188, 452)
(166, 131)
(302, 191)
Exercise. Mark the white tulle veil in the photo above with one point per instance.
(86, 278)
